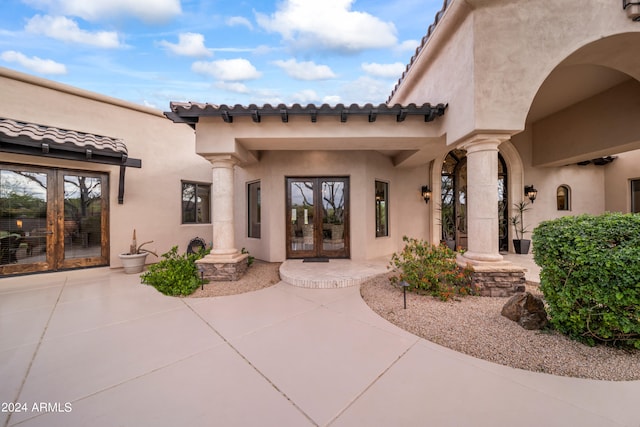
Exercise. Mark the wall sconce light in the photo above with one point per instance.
(426, 193)
(19, 224)
(632, 8)
(530, 192)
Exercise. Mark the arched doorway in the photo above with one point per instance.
(453, 201)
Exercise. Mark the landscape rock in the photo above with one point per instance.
(527, 310)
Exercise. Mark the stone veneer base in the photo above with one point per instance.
(219, 270)
(501, 279)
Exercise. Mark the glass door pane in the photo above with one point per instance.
(301, 215)
(83, 212)
(333, 216)
(24, 207)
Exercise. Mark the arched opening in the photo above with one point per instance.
(563, 198)
(453, 201)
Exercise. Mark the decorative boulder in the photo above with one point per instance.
(527, 310)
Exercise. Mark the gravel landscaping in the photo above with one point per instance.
(474, 326)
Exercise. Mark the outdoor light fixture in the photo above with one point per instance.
(426, 193)
(201, 270)
(530, 192)
(404, 285)
(632, 8)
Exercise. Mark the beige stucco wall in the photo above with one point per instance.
(617, 181)
(152, 200)
(407, 214)
(587, 185)
(488, 58)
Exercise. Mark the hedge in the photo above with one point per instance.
(590, 276)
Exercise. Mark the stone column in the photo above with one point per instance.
(225, 262)
(491, 275)
(482, 199)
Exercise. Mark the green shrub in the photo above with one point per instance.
(430, 269)
(174, 274)
(590, 276)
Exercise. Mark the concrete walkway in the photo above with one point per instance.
(96, 348)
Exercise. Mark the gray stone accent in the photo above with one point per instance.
(498, 283)
(218, 272)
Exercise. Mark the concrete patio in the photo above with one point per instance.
(100, 349)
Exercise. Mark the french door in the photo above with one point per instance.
(317, 217)
(52, 219)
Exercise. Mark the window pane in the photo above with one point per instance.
(253, 190)
(563, 198)
(382, 209)
(203, 203)
(635, 196)
(23, 217)
(188, 203)
(82, 216)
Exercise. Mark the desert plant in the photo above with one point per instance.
(250, 259)
(430, 269)
(590, 276)
(134, 248)
(175, 274)
(518, 220)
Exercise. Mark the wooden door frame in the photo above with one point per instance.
(317, 218)
(55, 222)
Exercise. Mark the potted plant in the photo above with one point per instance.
(520, 244)
(134, 260)
(448, 226)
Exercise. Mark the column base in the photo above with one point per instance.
(495, 279)
(218, 268)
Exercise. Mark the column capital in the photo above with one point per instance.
(222, 160)
(484, 142)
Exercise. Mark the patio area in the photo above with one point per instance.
(95, 347)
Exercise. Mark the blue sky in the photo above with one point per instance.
(152, 52)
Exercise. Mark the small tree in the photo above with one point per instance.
(518, 220)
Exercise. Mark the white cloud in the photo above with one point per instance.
(408, 46)
(233, 87)
(366, 89)
(328, 24)
(306, 70)
(305, 96)
(189, 44)
(65, 29)
(332, 99)
(384, 70)
(38, 65)
(151, 11)
(239, 20)
(229, 70)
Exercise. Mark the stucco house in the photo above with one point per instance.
(500, 95)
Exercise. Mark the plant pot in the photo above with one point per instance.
(133, 263)
(451, 243)
(521, 245)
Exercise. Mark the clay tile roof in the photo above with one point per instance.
(190, 112)
(34, 135)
